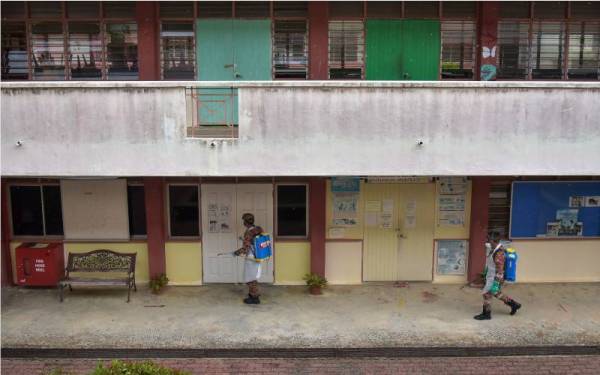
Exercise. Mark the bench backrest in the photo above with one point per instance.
(101, 261)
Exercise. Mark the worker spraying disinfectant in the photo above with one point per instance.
(497, 257)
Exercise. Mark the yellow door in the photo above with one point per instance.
(399, 225)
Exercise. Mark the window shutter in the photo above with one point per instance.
(346, 49)
(458, 52)
(290, 49)
(547, 49)
(513, 49)
(14, 51)
(584, 50)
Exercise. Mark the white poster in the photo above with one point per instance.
(453, 185)
(388, 205)
(452, 202)
(225, 219)
(345, 209)
(373, 206)
(451, 218)
(451, 257)
(213, 219)
(385, 220)
(371, 219)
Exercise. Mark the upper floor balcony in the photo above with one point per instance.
(296, 128)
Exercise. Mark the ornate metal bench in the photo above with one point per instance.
(99, 261)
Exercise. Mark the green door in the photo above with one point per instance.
(403, 50)
(421, 49)
(214, 49)
(384, 50)
(252, 50)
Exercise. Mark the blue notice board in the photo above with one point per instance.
(555, 209)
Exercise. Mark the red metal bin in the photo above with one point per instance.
(40, 264)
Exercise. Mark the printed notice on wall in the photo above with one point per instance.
(345, 209)
(373, 206)
(213, 219)
(410, 214)
(451, 257)
(371, 219)
(385, 220)
(452, 202)
(453, 185)
(225, 213)
(451, 218)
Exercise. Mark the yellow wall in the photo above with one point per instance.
(343, 262)
(355, 232)
(292, 262)
(558, 260)
(184, 263)
(141, 263)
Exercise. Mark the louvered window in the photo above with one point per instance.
(513, 49)
(252, 9)
(346, 49)
(83, 9)
(514, 9)
(290, 49)
(14, 51)
(45, 9)
(584, 50)
(85, 51)
(458, 52)
(215, 9)
(176, 9)
(499, 207)
(119, 9)
(346, 9)
(547, 50)
(13, 9)
(177, 50)
(48, 51)
(458, 9)
(585, 9)
(549, 9)
(121, 51)
(384, 9)
(421, 9)
(290, 9)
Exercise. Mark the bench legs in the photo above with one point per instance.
(61, 289)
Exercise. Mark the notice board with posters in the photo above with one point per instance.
(555, 209)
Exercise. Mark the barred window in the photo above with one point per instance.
(584, 50)
(85, 51)
(14, 51)
(346, 49)
(290, 49)
(122, 51)
(48, 51)
(513, 49)
(178, 56)
(458, 52)
(547, 50)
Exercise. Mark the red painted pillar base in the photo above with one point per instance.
(6, 262)
(155, 224)
(479, 225)
(317, 211)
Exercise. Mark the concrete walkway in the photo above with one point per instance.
(382, 315)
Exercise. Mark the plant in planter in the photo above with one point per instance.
(315, 283)
(158, 282)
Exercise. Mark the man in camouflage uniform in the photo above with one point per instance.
(252, 268)
(494, 279)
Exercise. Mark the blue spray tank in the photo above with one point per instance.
(510, 265)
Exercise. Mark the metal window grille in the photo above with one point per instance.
(346, 49)
(178, 58)
(252, 9)
(513, 49)
(458, 52)
(421, 9)
(85, 51)
(47, 51)
(119, 9)
(547, 49)
(13, 9)
(176, 9)
(45, 9)
(83, 9)
(499, 207)
(121, 51)
(514, 9)
(458, 9)
(215, 9)
(549, 9)
(346, 9)
(290, 49)
(584, 50)
(14, 51)
(384, 9)
(585, 9)
(290, 9)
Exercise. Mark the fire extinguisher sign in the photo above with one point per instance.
(40, 265)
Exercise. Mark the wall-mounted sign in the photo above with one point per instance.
(345, 184)
(399, 180)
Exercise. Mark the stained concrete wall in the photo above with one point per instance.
(305, 128)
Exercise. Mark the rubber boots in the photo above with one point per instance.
(514, 306)
(485, 315)
(252, 300)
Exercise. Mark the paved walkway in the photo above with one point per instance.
(380, 366)
(386, 315)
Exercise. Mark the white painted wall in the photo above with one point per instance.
(305, 128)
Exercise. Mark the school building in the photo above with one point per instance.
(375, 141)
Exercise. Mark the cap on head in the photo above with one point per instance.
(248, 219)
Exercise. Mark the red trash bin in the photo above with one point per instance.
(40, 264)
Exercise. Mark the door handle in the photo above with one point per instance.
(229, 66)
(406, 76)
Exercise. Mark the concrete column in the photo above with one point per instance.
(479, 225)
(155, 224)
(6, 261)
(487, 40)
(318, 14)
(316, 211)
(148, 33)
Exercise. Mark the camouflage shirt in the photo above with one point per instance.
(248, 242)
(499, 258)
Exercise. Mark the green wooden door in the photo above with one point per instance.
(403, 50)
(421, 49)
(384, 50)
(252, 50)
(214, 49)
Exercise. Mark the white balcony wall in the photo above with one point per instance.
(305, 128)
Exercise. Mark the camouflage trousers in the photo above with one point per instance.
(487, 299)
(253, 288)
